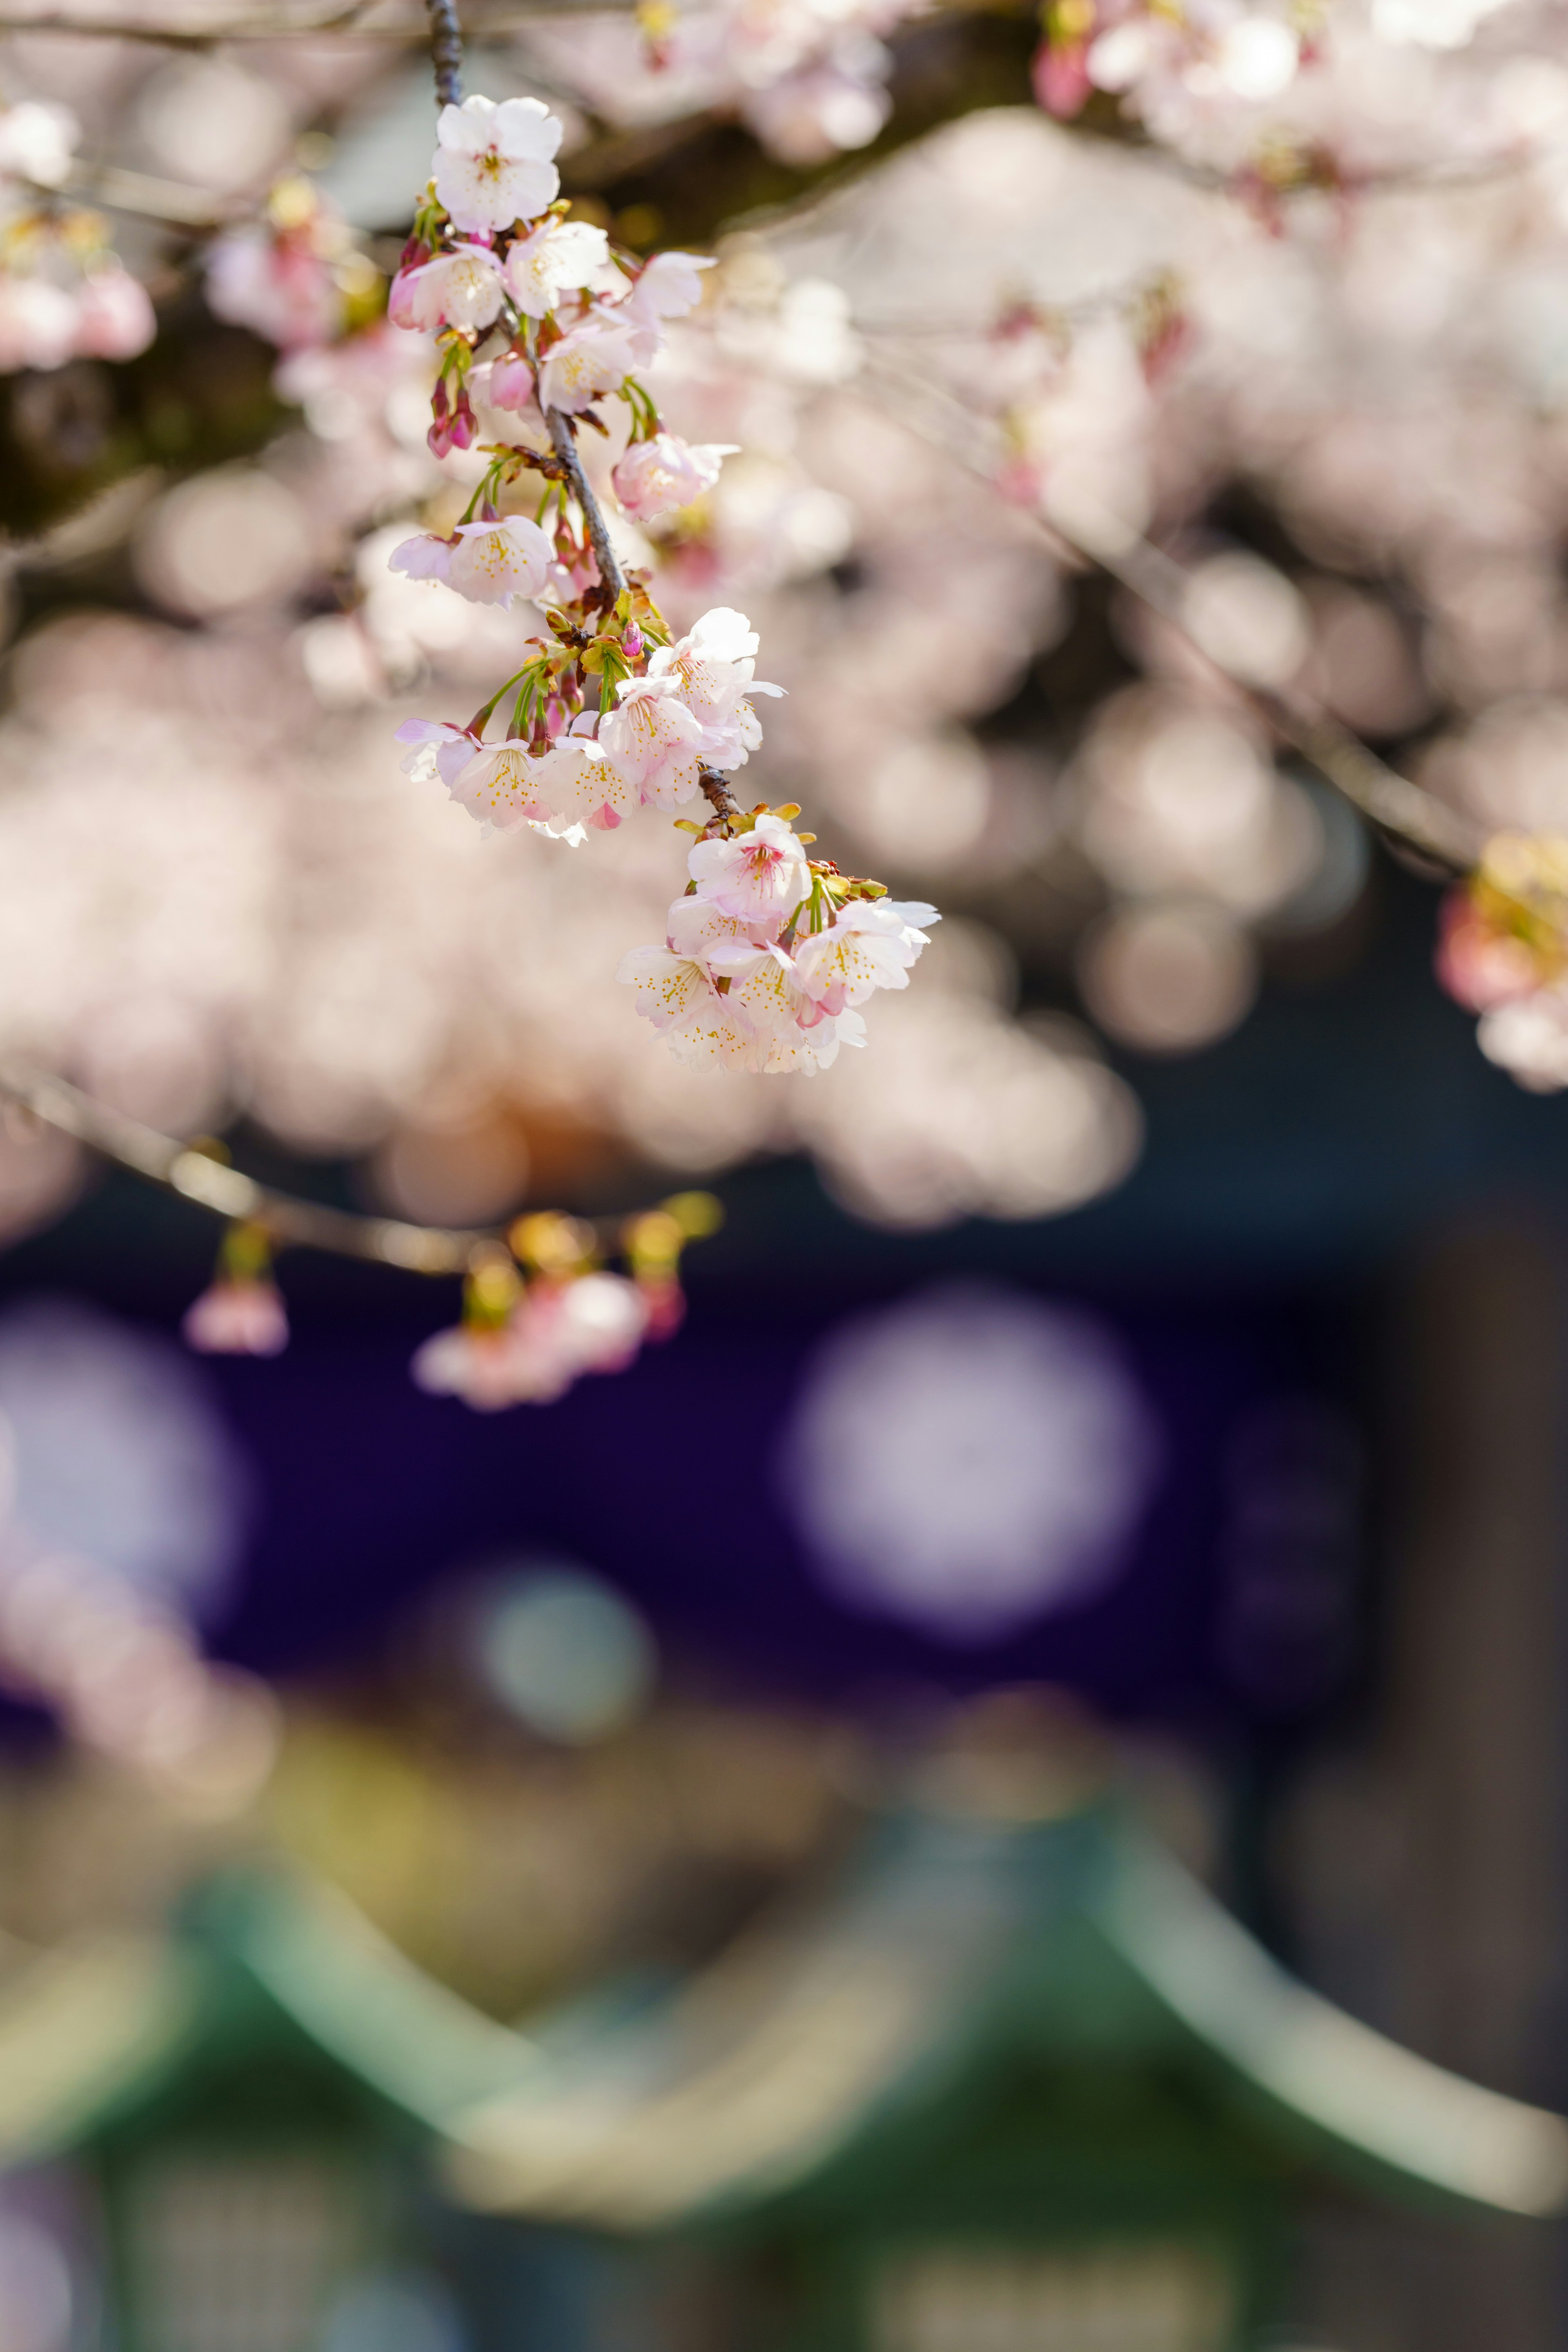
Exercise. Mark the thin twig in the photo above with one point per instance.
(420, 1249)
(288, 1220)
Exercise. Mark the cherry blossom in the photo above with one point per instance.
(589, 361)
(286, 274)
(759, 877)
(555, 258)
(238, 1317)
(463, 287)
(713, 666)
(655, 741)
(37, 143)
(576, 784)
(494, 164)
(869, 945)
(557, 1331)
(656, 476)
(489, 562)
(115, 319)
(667, 287)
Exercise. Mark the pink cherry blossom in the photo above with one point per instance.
(282, 286)
(238, 1317)
(494, 164)
(115, 319)
(760, 877)
(659, 475)
(507, 383)
(462, 289)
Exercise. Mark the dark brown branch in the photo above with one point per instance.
(715, 790)
(446, 51)
(604, 556)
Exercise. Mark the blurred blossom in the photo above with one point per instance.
(1168, 978)
(117, 1452)
(969, 1461)
(209, 120)
(1248, 617)
(469, 1174)
(563, 1651)
(37, 2301)
(223, 540)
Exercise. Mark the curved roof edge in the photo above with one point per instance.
(1367, 2094)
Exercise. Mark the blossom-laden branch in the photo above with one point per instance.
(769, 954)
(541, 1306)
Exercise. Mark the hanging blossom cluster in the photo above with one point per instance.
(64, 292)
(1503, 953)
(294, 274)
(770, 954)
(539, 1308)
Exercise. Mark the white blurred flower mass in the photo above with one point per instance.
(970, 1461)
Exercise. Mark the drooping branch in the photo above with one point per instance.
(286, 1220)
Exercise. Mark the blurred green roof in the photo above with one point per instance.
(953, 1948)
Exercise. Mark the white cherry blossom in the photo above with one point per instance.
(589, 361)
(496, 785)
(657, 476)
(658, 744)
(37, 143)
(698, 928)
(668, 287)
(555, 258)
(869, 946)
(489, 562)
(713, 664)
(578, 785)
(437, 748)
(495, 165)
(760, 877)
(461, 289)
(672, 990)
(492, 562)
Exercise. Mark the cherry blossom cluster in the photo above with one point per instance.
(768, 957)
(294, 274)
(1503, 953)
(607, 715)
(539, 1310)
(64, 293)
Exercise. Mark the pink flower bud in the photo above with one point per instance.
(632, 642)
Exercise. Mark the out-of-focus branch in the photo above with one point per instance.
(1387, 799)
(288, 1220)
